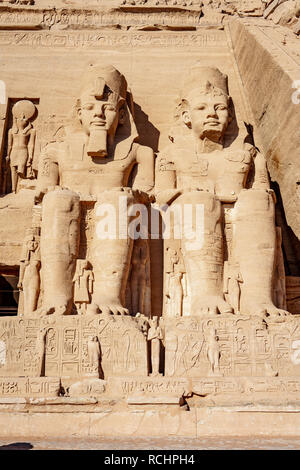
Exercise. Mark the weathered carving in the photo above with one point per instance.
(231, 346)
(202, 173)
(29, 277)
(94, 355)
(94, 161)
(83, 285)
(114, 321)
(21, 141)
(139, 277)
(213, 350)
(155, 336)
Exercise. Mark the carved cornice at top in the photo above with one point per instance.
(139, 5)
(284, 13)
(115, 15)
(84, 18)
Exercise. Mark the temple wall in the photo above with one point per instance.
(274, 51)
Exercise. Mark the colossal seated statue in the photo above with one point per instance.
(98, 161)
(200, 168)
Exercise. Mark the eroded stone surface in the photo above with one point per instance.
(113, 116)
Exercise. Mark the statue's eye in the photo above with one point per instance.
(221, 107)
(200, 107)
(88, 106)
(109, 107)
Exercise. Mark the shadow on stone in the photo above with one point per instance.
(17, 446)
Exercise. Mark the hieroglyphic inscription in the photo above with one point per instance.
(31, 387)
(97, 39)
(94, 18)
(241, 346)
(152, 386)
(122, 344)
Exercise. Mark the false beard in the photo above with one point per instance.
(97, 144)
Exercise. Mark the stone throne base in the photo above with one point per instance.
(254, 389)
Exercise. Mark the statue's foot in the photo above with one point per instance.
(56, 310)
(112, 309)
(211, 305)
(269, 310)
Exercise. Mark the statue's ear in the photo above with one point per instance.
(122, 115)
(78, 108)
(230, 111)
(186, 117)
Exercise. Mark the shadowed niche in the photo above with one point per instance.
(149, 134)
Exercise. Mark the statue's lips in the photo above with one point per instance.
(98, 123)
(211, 123)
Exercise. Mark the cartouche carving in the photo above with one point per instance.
(198, 169)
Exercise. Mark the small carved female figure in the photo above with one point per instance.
(29, 278)
(155, 335)
(213, 351)
(83, 285)
(94, 356)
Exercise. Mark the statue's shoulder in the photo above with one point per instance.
(51, 150)
(244, 154)
(56, 143)
(168, 157)
(142, 151)
(64, 138)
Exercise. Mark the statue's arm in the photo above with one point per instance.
(165, 182)
(184, 285)
(48, 175)
(9, 144)
(261, 178)
(144, 180)
(31, 144)
(21, 275)
(91, 281)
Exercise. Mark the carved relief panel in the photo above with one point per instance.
(21, 147)
(231, 346)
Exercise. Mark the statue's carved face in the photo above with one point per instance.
(21, 122)
(99, 114)
(207, 114)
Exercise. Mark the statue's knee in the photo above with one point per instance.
(62, 200)
(207, 200)
(116, 196)
(253, 201)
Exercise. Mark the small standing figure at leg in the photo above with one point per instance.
(155, 336)
(29, 278)
(83, 285)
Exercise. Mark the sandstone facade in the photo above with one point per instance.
(149, 240)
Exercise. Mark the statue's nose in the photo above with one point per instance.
(99, 110)
(211, 112)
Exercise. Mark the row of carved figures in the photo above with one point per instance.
(154, 331)
(138, 288)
